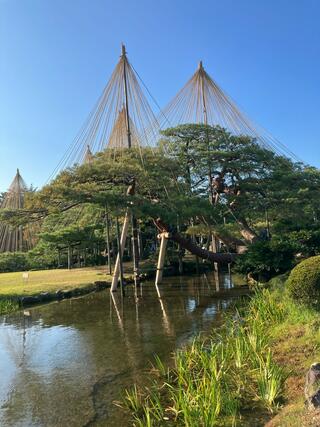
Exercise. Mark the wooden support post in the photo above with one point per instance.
(59, 258)
(214, 249)
(215, 264)
(120, 258)
(113, 251)
(123, 239)
(216, 280)
(163, 245)
(69, 258)
(135, 249)
(140, 244)
(180, 251)
(108, 242)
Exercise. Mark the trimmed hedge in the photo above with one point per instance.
(304, 282)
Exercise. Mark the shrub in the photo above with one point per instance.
(265, 259)
(13, 262)
(304, 282)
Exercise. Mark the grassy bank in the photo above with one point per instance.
(250, 372)
(14, 287)
(13, 284)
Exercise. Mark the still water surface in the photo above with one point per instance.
(65, 363)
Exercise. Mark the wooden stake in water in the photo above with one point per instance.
(108, 241)
(161, 259)
(135, 250)
(123, 239)
(120, 257)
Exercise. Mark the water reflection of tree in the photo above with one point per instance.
(111, 352)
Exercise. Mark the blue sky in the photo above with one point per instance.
(57, 55)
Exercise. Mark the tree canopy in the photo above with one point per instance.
(210, 181)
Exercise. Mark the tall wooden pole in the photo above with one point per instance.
(118, 264)
(124, 58)
(180, 261)
(120, 257)
(126, 220)
(135, 250)
(267, 224)
(108, 240)
(205, 116)
(162, 252)
(69, 257)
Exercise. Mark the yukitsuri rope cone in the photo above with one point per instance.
(88, 157)
(202, 101)
(16, 238)
(122, 118)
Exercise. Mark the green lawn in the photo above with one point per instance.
(12, 284)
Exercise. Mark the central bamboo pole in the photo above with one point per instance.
(213, 238)
(124, 58)
(125, 227)
(135, 250)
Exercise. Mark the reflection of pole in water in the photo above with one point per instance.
(17, 348)
(158, 290)
(165, 318)
(216, 279)
(229, 273)
(206, 280)
(137, 311)
(24, 338)
(166, 322)
(120, 315)
(113, 298)
(131, 354)
(198, 296)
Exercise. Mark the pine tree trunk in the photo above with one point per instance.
(193, 248)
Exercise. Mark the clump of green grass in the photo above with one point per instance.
(219, 377)
(8, 306)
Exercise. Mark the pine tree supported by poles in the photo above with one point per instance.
(122, 119)
(15, 238)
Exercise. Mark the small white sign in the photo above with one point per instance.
(25, 276)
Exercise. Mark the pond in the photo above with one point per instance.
(65, 363)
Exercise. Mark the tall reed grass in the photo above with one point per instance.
(215, 379)
(8, 306)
